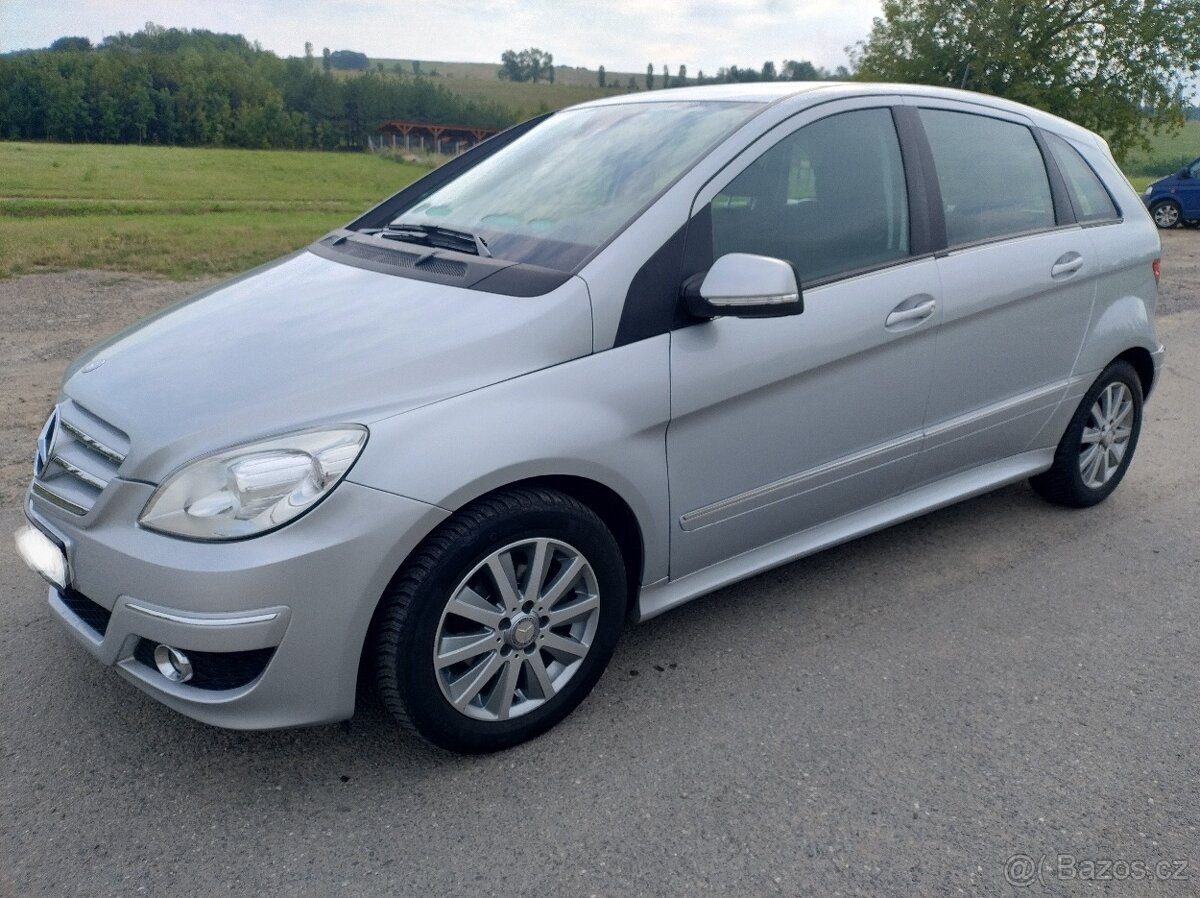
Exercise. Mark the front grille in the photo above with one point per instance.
(213, 670)
(77, 455)
(95, 616)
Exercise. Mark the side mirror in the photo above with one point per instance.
(741, 285)
(1184, 172)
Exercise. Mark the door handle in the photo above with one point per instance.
(1066, 265)
(918, 312)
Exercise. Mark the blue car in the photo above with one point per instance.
(1175, 199)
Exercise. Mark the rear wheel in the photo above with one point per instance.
(1098, 446)
(502, 622)
(1166, 214)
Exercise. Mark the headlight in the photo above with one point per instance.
(1149, 190)
(251, 489)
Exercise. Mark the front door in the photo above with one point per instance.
(1188, 192)
(781, 424)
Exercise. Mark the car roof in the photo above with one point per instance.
(806, 93)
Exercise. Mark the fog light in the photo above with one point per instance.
(43, 555)
(172, 664)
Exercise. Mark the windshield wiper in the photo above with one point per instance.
(438, 236)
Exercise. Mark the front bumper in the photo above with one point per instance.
(278, 620)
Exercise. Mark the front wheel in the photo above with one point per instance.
(501, 622)
(1166, 214)
(1096, 449)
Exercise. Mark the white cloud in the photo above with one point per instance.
(623, 35)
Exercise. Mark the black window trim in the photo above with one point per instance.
(925, 209)
(1064, 209)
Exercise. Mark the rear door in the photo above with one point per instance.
(1018, 282)
(781, 424)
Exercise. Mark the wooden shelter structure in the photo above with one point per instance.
(460, 137)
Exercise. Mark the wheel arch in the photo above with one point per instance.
(1143, 364)
(616, 513)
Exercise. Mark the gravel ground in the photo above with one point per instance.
(899, 716)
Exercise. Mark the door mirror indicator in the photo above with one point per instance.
(741, 285)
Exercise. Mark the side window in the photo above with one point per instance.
(1088, 195)
(1195, 170)
(992, 176)
(829, 198)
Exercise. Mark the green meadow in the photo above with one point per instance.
(176, 212)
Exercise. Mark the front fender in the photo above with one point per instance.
(602, 417)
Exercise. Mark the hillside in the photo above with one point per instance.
(571, 76)
(478, 82)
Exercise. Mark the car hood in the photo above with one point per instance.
(307, 341)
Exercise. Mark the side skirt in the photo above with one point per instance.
(667, 594)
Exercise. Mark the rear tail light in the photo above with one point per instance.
(1156, 267)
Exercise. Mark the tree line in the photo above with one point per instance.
(201, 88)
(791, 70)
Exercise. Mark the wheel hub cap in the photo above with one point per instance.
(523, 632)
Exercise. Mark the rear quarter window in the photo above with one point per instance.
(1089, 196)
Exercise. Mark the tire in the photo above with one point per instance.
(473, 658)
(1099, 443)
(1166, 214)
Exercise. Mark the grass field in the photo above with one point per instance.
(1168, 152)
(176, 212)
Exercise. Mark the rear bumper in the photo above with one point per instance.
(278, 621)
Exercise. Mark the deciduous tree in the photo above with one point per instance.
(1114, 66)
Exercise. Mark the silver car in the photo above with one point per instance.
(611, 360)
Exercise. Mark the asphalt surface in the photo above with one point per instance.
(902, 715)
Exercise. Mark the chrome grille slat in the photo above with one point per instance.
(86, 477)
(79, 455)
(55, 499)
(94, 444)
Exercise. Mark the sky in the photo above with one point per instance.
(622, 35)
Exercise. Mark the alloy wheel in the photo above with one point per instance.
(1166, 215)
(1106, 435)
(516, 629)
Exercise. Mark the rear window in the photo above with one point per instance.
(992, 176)
(1088, 194)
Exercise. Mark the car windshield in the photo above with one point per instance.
(568, 186)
